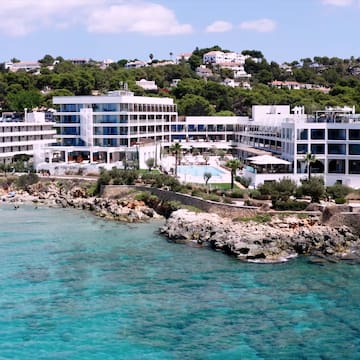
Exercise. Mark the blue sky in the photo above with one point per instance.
(284, 30)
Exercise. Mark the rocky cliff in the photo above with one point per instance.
(276, 241)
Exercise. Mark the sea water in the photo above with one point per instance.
(73, 286)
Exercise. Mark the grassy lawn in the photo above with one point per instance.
(222, 186)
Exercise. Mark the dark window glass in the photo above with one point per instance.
(317, 134)
(354, 166)
(354, 149)
(317, 149)
(337, 134)
(336, 167)
(337, 149)
(354, 134)
(302, 148)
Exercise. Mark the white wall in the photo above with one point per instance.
(261, 112)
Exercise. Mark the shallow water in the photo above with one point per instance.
(78, 287)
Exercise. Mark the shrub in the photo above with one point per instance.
(142, 196)
(290, 205)
(237, 193)
(313, 187)
(91, 189)
(259, 218)
(211, 197)
(244, 181)
(24, 181)
(338, 191)
(340, 200)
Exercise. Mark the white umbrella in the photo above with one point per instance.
(267, 160)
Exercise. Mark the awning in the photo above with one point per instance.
(267, 160)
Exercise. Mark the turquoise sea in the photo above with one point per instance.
(73, 286)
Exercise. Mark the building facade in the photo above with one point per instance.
(104, 128)
(332, 135)
(25, 137)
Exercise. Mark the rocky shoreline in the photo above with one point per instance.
(279, 240)
(125, 209)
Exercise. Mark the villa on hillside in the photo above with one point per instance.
(28, 66)
(294, 85)
(148, 85)
(218, 57)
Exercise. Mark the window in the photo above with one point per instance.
(339, 149)
(302, 134)
(354, 166)
(69, 108)
(302, 148)
(354, 149)
(336, 166)
(317, 134)
(317, 148)
(336, 134)
(354, 134)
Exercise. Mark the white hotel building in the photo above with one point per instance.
(27, 137)
(332, 135)
(109, 128)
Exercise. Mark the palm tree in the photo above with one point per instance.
(309, 159)
(207, 176)
(175, 149)
(233, 165)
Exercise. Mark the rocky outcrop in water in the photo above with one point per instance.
(276, 241)
(126, 209)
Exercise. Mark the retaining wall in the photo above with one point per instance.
(227, 210)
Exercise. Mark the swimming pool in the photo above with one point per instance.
(198, 170)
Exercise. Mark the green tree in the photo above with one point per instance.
(195, 105)
(176, 150)
(310, 159)
(23, 99)
(150, 162)
(207, 176)
(233, 164)
(313, 187)
(5, 168)
(47, 60)
(256, 54)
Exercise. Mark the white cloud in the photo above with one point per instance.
(21, 17)
(338, 2)
(146, 18)
(219, 26)
(261, 25)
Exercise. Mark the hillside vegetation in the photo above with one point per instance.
(193, 95)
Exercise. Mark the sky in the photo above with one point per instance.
(283, 30)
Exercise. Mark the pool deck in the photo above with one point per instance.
(169, 162)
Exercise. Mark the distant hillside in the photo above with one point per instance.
(198, 89)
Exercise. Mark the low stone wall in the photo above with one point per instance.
(226, 210)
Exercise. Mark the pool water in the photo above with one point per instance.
(198, 170)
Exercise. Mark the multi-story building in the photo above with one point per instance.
(332, 135)
(108, 128)
(104, 128)
(25, 137)
(217, 57)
